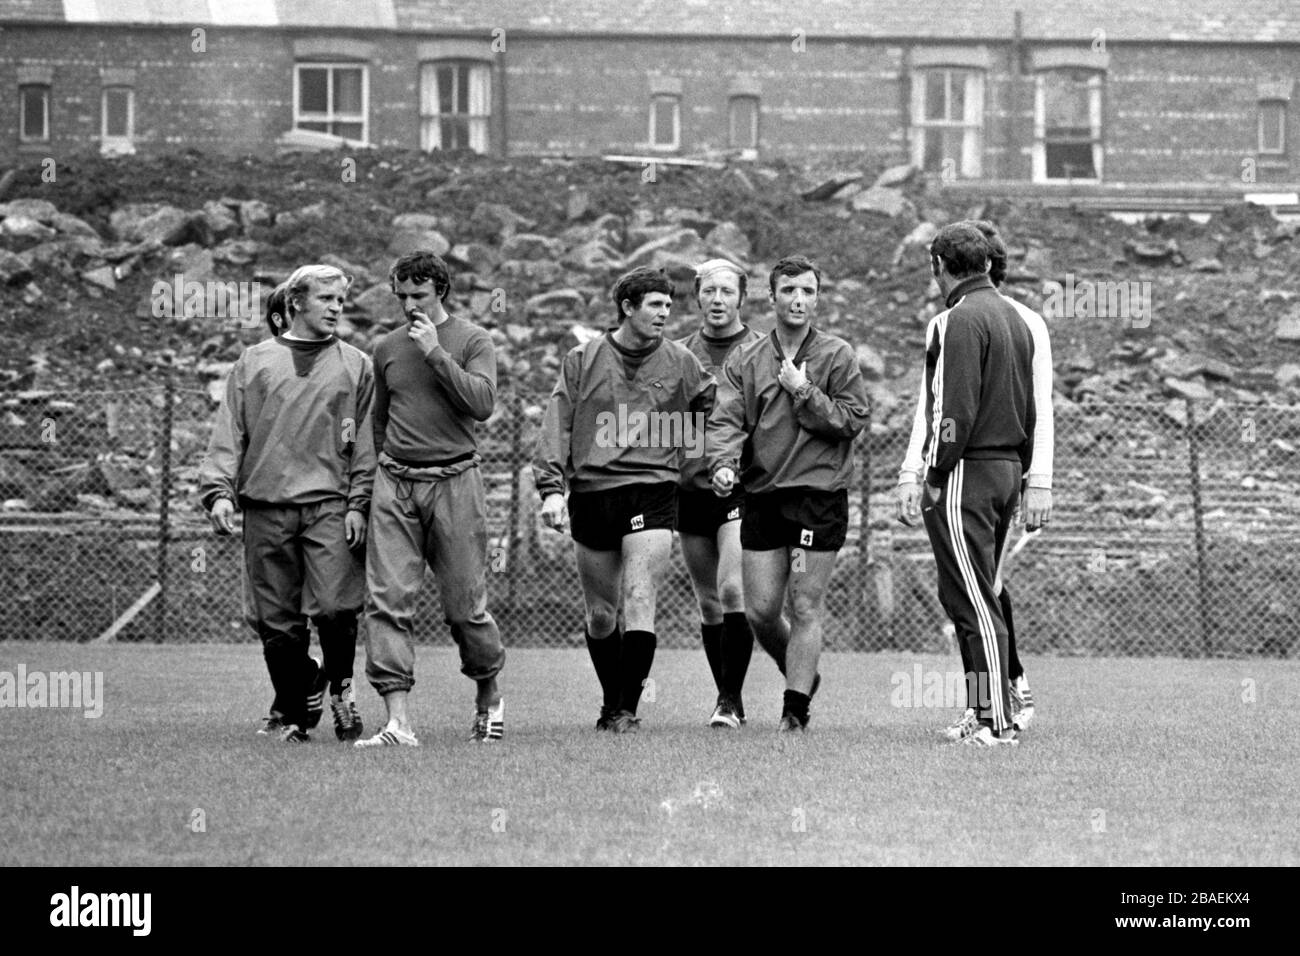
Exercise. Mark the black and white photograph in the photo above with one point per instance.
(706, 433)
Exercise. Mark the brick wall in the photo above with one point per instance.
(1186, 114)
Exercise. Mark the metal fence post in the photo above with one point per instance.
(164, 496)
(512, 521)
(1198, 517)
(868, 638)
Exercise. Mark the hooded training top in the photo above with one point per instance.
(427, 410)
(979, 382)
(775, 440)
(1040, 469)
(294, 427)
(712, 353)
(619, 418)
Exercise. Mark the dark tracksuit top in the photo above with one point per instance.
(713, 354)
(774, 440)
(424, 419)
(979, 382)
(582, 446)
(294, 428)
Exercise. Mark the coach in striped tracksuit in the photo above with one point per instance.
(979, 442)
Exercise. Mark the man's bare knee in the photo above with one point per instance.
(601, 619)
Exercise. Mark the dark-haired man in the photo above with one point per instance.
(980, 419)
(627, 404)
(784, 427)
(1036, 506)
(709, 526)
(435, 379)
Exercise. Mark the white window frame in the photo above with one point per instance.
(1280, 105)
(479, 116)
(971, 123)
(1096, 81)
(676, 143)
(22, 112)
(751, 141)
(114, 143)
(330, 115)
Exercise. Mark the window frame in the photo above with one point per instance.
(475, 122)
(110, 142)
(1096, 85)
(46, 99)
(676, 101)
(1281, 106)
(971, 160)
(331, 116)
(756, 125)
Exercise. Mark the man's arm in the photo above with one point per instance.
(472, 389)
(551, 460)
(1040, 468)
(844, 411)
(379, 407)
(727, 429)
(361, 471)
(956, 402)
(219, 470)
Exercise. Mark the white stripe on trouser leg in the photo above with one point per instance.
(988, 633)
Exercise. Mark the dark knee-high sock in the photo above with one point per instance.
(712, 637)
(638, 656)
(1014, 669)
(338, 644)
(290, 676)
(606, 652)
(737, 649)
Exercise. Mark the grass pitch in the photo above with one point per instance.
(1132, 762)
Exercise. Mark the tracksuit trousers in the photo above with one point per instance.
(442, 523)
(967, 528)
(299, 567)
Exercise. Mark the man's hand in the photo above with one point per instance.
(1036, 508)
(423, 333)
(553, 511)
(907, 501)
(931, 497)
(724, 480)
(220, 516)
(354, 529)
(792, 379)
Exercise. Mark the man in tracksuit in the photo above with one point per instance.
(627, 406)
(292, 448)
(1036, 503)
(979, 441)
(710, 526)
(784, 427)
(435, 379)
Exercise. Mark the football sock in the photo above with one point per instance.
(290, 678)
(338, 644)
(737, 649)
(796, 705)
(1014, 669)
(712, 635)
(605, 655)
(638, 656)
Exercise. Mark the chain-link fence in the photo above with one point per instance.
(1174, 532)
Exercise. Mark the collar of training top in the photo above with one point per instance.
(966, 286)
(803, 346)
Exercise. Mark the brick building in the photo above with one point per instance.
(1042, 91)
